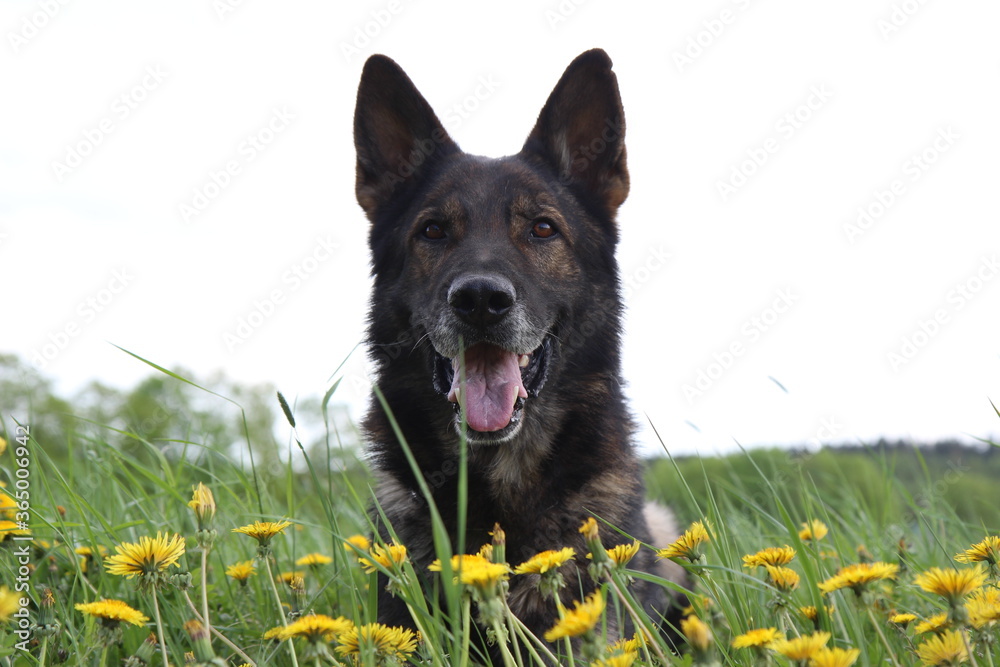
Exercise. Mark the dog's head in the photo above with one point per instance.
(496, 263)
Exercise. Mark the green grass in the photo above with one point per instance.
(100, 492)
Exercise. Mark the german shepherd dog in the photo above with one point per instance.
(495, 315)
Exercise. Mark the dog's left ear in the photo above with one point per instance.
(581, 131)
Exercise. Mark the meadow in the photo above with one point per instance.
(137, 530)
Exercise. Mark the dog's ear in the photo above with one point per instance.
(581, 131)
(396, 133)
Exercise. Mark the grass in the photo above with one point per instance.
(101, 499)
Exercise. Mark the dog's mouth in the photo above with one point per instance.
(497, 383)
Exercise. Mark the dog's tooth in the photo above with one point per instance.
(523, 360)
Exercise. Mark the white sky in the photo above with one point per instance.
(100, 252)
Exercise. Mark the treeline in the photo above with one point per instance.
(896, 482)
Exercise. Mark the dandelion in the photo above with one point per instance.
(902, 619)
(476, 571)
(263, 532)
(201, 639)
(8, 506)
(547, 564)
(356, 543)
(686, 546)
(814, 530)
(381, 641)
(697, 634)
(8, 529)
(10, 602)
(775, 556)
(783, 578)
(314, 560)
(390, 556)
(938, 623)
(811, 613)
(757, 638)
(947, 648)
(616, 660)
(987, 551)
(288, 577)
(114, 611)
(580, 620)
(241, 571)
(834, 657)
(315, 627)
(803, 647)
(147, 559)
(858, 575)
(952, 585)
(983, 607)
(203, 504)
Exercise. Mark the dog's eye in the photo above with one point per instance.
(544, 229)
(433, 231)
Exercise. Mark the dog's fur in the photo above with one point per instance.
(512, 261)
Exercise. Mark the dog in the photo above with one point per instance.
(496, 316)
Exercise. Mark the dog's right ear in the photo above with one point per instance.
(396, 134)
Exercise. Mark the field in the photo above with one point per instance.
(822, 548)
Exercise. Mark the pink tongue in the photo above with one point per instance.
(492, 385)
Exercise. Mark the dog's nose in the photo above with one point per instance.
(481, 300)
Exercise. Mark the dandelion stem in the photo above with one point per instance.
(968, 649)
(159, 627)
(466, 622)
(885, 643)
(221, 637)
(528, 636)
(281, 610)
(635, 617)
(508, 659)
(204, 588)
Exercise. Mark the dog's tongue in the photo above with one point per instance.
(492, 385)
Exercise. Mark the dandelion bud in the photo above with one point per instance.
(203, 504)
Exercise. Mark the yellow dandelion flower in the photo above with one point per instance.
(542, 562)
(147, 558)
(953, 585)
(859, 575)
(390, 556)
(8, 506)
(948, 648)
(486, 551)
(114, 611)
(474, 570)
(380, 640)
(241, 571)
(589, 529)
(697, 633)
(203, 504)
(621, 554)
(757, 638)
(627, 645)
(902, 619)
(358, 542)
(988, 550)
(88, 552)
(625, 659)
(813, 530)
(10, 602)
(834, 657)
(314, 559)
(811, 613)
(288, 578)
(316, 627)
(803, 647)
(274, 633)
(775, 556)
(783, 578)
(263, 531)
(686, 546)
(579, 620)
(937, 623)
(983, 607)
(11, 528)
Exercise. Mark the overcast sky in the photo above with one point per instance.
(810, 246)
